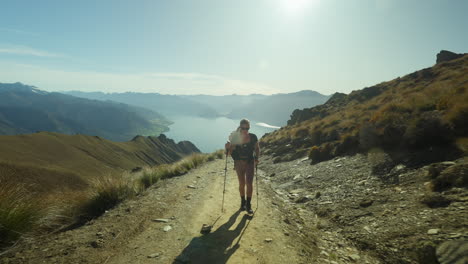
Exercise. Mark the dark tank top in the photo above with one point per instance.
(245, 151)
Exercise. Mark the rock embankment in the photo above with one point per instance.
(387, 210)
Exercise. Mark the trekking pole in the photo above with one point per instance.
(224, 189)
(256, 182)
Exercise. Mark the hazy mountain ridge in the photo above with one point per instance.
(415, 114)
(274, 109)
(26, 109)
(168, 105)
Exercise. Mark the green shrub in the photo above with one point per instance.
(392, 135)
(349, 144)
(301, 133)
(427, 130)
(321, 153)
(454, 176)
(368, 137)
(316, 137)
(458, 118)
(434, 200)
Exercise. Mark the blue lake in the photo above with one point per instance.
(209, 134)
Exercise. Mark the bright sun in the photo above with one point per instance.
(296, 7)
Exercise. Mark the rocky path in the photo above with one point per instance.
(163, 226)
(235, 237)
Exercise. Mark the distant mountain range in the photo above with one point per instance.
(26, 109)
(168, 105)
(273, 109)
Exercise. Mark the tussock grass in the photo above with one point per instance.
(19, 211)
(23, 210)
(153, 175)
(418, 111)
(106, 192)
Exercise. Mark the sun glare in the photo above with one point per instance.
(296, 7)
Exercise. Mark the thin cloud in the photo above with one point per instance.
(20, 32)
(165, 83)
(187, 76)
(27, 51)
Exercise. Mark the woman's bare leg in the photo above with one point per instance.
(240, 170)
(249, 175)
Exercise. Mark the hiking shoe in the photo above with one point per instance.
(248, 207)
(242, 207)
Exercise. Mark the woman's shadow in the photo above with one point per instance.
(215, 247)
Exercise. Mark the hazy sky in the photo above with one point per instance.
(224, 47)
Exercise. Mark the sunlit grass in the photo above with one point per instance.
(438, 95)
(19, 211)
(23, 211)
(153, 175)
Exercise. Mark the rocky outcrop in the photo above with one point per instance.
(319, 111)
(445, 55)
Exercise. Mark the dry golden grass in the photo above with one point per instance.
(87, 156)
(153, 175)
(442, 88)
(25, 208)
(41, 179)
(19, 211)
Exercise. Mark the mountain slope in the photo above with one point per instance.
(276, 109)
(52, 160)
(423, 115)
(169, 105)
(25, 109)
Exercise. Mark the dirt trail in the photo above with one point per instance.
(235, 238)
(129, 234)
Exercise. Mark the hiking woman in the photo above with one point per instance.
(244, 149)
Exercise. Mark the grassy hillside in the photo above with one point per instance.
(25, 109)
(48, 180)
(36, 158)
(421, 117)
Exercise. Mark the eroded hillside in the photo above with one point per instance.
(413, 115)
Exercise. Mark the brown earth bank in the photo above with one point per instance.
(163, 226)
(394, 213)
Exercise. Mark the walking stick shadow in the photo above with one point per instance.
(215, 247)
